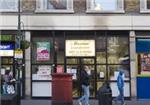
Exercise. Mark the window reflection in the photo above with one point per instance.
(8, 4)
(105, 5)
(101, 57)
(57, 4)
(114, 70)
(101, 72)
(148, 4)
(117, 49)
(88, 61)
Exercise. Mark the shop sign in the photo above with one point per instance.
(6, 37)
(143, 45)
(18, 54)
(43, 51)
(6, 49)
(80, 48)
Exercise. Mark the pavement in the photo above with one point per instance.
(92, 102)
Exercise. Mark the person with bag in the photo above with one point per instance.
(85, 86)
(9, 81)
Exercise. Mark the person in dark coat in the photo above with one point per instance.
(85, 86)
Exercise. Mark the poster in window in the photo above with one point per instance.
(145, 62)
(43, 51)
(43, 73)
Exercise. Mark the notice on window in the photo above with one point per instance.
(79, 48)
(44, 73)
(43, 51)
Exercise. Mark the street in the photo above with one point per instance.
(92, 102)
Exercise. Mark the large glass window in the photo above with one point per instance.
(144, 6)
(54, 6)
(117, 49)
(105, 6)
(8, 5)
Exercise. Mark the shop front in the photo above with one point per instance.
(143, 56)
(104, 52)
(7, 55)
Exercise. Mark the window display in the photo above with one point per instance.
(145, 62)
(42, 72)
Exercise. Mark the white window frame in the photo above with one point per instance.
(11, 10)
(120, 7)
(143, 7)
(41, 7)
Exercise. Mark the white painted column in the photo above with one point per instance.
(28, 66)
(133, 63)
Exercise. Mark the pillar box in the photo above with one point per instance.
(62, 89)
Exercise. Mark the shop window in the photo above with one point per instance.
(54, 6)
(118, 50)
(101, 72)
(101, 57)
(114, 70)
(105, 6)
(145, 6)
(8, 5)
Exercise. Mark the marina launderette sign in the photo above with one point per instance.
(80, 48)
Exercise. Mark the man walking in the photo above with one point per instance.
(120, 85)
(85, 86)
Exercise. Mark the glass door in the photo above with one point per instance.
(74, 66)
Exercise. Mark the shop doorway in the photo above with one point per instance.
(74, 65)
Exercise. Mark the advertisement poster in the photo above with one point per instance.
(145, 62)
(44, 73)
(43, 51)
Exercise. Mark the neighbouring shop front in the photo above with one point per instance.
(103, 51)
(143, 60)
(7, 56)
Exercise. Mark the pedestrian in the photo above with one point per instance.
(85, 86)
(8, 85)
(120, 85)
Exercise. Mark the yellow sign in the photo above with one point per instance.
(80, 48)
(18, 53)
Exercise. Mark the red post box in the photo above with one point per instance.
(62, 89)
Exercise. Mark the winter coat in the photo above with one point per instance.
(84, 78)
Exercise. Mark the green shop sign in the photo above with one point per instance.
(6, 38)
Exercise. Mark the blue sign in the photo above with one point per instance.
(143, 45)
(6, 49)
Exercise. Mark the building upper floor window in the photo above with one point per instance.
(54, 6)
(145, 6)
(105, 6)
(8, 5)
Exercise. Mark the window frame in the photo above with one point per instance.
(41, 7)
(143, 7)
(120, 7)
(10, 9)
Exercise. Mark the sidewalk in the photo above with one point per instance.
(92, 102)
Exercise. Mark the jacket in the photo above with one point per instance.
(84, 78)
(120, 81)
